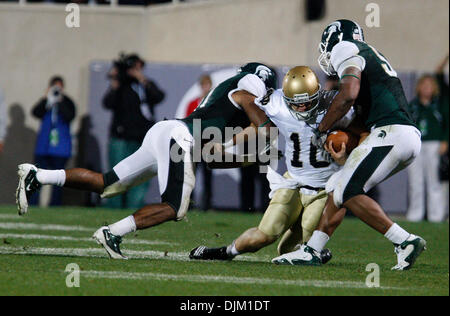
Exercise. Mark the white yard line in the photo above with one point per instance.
(177, 256)
(10, 216)
(69, 238)
(33, 226)
(223, 279)
(99, 252)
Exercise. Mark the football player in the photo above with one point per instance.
(369, 82)
(298, 198)
(230, 104)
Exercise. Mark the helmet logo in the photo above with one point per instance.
(263, 72)
(333, 27)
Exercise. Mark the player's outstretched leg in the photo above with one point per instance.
(28, 185)
(408, 247)
(32, 178)
(314, 253)
(250, 241)
(110, 237)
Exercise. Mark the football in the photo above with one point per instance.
(338, 137)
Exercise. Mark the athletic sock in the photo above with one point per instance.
(54, 177)
(396, 234)
(123, 227)
(318, 240)
(232, 251)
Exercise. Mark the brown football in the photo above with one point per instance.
(338, 137)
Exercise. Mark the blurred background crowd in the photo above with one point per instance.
(136, 94)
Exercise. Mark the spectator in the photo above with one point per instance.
(2, 121)
(54, 144)
(132, 98)
(205, 86)
(205, 203)
(443, 150)
(423, 173)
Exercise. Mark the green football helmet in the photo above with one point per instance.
(267, 74)
(339, 30)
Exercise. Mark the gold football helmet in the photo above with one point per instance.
(301, 91)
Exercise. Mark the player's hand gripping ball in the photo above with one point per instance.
(338, 137)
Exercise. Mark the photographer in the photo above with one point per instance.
(132, 98)
(54, 143)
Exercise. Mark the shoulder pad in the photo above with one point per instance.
(253, 84)
(341, 52)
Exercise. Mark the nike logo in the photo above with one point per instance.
(106, 235)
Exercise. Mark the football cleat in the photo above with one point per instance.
(110, 242)
(408, 251)
(28, 184)
(205, 253)
(305, 256)
(325, 255)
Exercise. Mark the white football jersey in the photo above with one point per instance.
(304, 162)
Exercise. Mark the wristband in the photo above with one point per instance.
(265, 123)
(350, 75)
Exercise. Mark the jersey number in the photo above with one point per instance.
(384, 63)
(312, 154)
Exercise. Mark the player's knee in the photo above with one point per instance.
(259, 239)
(337, 195)
(112, 185)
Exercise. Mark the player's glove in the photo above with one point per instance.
(319, 138)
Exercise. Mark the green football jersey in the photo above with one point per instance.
(218, 110)
(381, 100)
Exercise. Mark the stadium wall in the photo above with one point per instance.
(35, 43)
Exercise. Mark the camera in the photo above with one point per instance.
(54, 94)
(122, 64)
(56, 91)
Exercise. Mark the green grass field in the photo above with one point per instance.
(35, 250)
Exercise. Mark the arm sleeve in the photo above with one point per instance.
(346, 54)
(153, 94)
(67, 109)
(40, 109)
(111, 99)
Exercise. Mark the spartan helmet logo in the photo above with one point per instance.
(333, 27)
(263, 72)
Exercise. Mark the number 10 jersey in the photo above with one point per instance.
(305, 163)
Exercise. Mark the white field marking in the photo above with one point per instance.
(11, 216)
(225, 279)
(45, 227)
(69, 238)
(100, 253)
